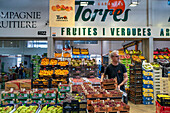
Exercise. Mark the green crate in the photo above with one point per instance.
(8, 96)
(36, 95)
(21, 101)
(60, 101)
(22, 96)
(6, 101)
(53, 101)
(36, 101)
(61, 95)
(64, 89)
(49, 95)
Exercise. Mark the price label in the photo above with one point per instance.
(53, 95)
(25, 95)
(67, 88)
(11, 102)
(40, 95)
(12, 95)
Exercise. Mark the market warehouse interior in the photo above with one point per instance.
(92, 56)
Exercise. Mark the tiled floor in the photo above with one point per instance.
(140, 108)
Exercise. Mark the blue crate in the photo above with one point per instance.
(147, 102)
(147, 98)
(147, 77)
(148, 86)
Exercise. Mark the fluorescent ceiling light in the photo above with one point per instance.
(133, 5)
(83, 3)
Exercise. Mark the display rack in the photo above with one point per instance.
(136, 81)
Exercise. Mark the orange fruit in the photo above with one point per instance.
(54, 8)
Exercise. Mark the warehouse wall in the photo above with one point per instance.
(22, 49)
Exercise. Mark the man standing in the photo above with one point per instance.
(116, 69)
(21, 69)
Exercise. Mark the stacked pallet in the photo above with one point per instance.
(157, 74)
(147, 87)
(163, 85)
(136, 82)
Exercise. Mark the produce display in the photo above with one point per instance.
(70, 96)
(53, 62)
(61, 72)
(57, 55)
(133, 52)
(76, 51)
(84, 51)
(25, 109)
(52, 109)
(155, 65)
(63, 63)
(6, 109)
(109, 106)
(46, 72)
(147, 66)
(45, 61)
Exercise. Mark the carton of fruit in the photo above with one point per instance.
(63, 88)
(61, 95)
(60, 101)
(53, 101)
(7, 101)
(22, 94)
(39, 101)
(21, 101)
(8, 94)
(36, 94)
(50, 94)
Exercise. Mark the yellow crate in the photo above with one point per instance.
(147, 73)
(148, 82)
(148, 94)
(147, 90)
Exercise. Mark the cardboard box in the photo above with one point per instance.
(26, 85)
(12, 84)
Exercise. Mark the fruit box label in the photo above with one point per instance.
(50, 95)
(8, 96)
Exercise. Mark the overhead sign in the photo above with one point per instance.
(141, 32)
(61, 13)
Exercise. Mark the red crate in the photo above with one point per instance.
(162, 109)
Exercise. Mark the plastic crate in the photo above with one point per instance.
(147, 90)
(147, 102)
(162, 109)
(147, 98)
(147, 77)
(164, 100)
(148, 86)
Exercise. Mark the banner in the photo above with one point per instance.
(62, 13)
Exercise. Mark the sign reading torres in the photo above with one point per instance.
(115, 9)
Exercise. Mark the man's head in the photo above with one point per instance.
(114, 55)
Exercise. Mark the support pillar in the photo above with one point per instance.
(147, 49)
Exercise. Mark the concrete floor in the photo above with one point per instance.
(141, 108)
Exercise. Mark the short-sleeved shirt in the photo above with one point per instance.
(116, 71)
